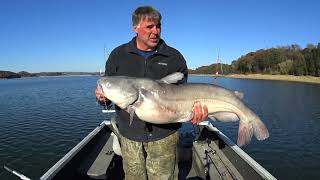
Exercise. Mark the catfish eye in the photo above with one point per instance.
(108, 85)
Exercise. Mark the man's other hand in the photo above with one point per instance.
(200, 113)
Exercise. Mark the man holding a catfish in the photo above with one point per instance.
(148, 150)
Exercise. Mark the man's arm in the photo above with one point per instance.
(200, 112)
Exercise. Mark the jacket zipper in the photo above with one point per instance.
(148, 127)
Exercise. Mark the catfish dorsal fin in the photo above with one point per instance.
(172, 78)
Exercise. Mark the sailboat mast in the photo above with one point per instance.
(219, 63)
(105, 56)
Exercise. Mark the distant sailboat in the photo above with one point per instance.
(105, 58)
(217, 65)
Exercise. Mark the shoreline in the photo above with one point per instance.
(42, 76)
(290, 78)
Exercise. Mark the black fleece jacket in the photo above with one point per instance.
(126, 61)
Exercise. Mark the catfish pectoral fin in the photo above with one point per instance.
(131, 111)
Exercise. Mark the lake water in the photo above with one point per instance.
(41, 119)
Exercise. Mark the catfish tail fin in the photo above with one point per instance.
(260, 131)
(246, 130)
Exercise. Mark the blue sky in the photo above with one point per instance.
(70, 35)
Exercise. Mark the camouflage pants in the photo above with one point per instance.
(150, 160)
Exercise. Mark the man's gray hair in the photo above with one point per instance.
(145, 12)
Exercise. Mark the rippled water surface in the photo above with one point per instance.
(41, 119)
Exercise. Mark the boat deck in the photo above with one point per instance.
(208, 157)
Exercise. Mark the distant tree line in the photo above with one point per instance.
(212, 69)
(9, 74)
(290, 60)
(286, 60)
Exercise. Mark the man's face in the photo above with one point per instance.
(148, 34)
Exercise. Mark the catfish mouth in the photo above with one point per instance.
(100, 87)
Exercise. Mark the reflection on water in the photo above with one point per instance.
(41, 119)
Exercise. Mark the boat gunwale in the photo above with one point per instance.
(55, 169)
(242, 154)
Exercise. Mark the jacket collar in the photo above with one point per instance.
(160, 49)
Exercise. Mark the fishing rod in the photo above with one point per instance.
(21, 176)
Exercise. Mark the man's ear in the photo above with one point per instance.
(136, 28)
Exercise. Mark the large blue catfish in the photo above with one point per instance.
(162, 102)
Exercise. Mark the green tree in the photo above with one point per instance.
(286, 67)
(316, 56)
(308, 56)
